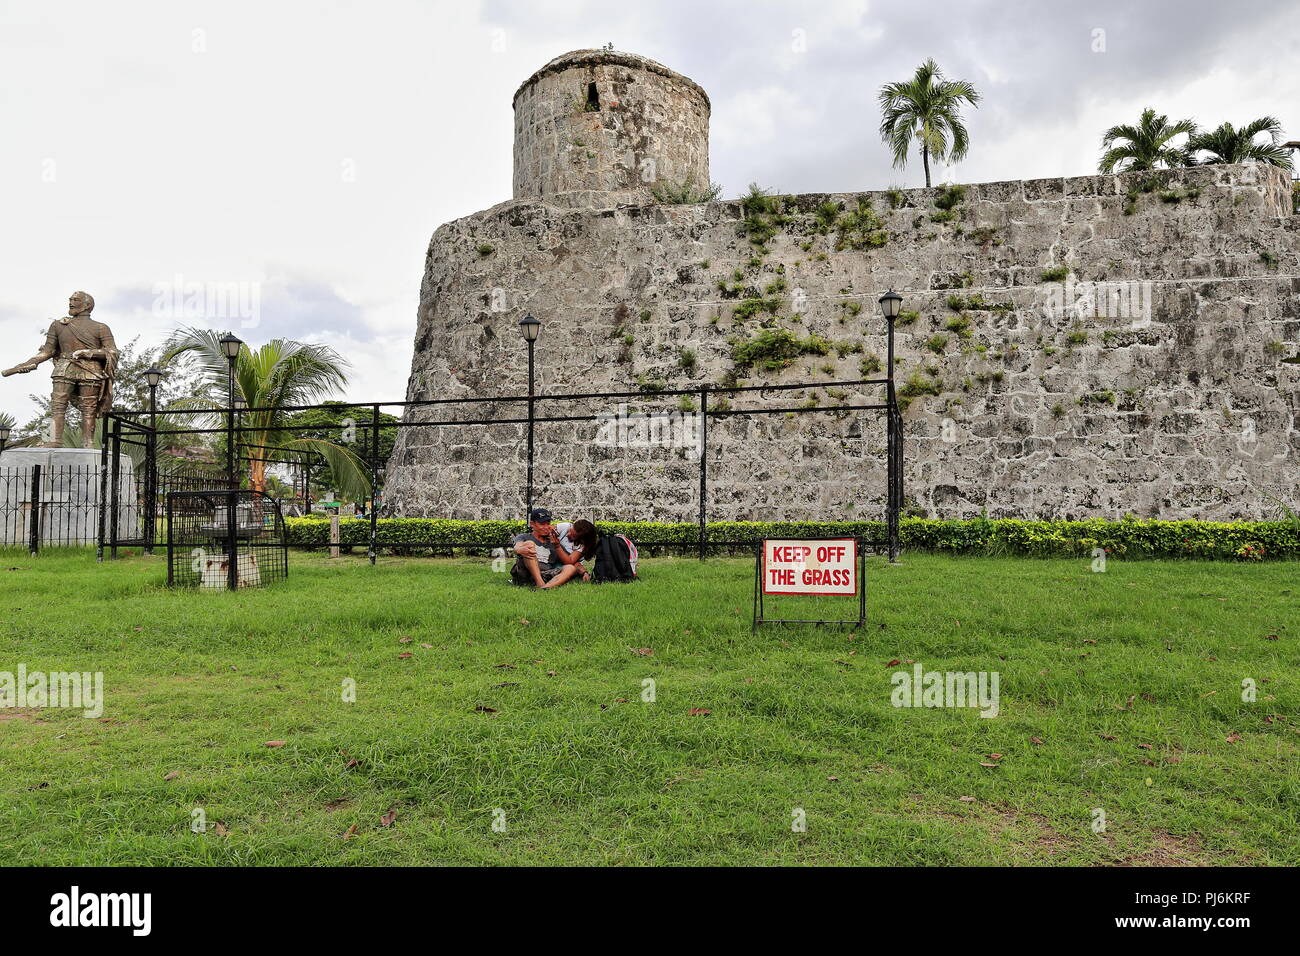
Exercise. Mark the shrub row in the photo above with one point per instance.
(1128, 538)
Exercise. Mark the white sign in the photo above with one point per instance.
(810, 566)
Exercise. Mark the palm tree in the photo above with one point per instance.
(1145, 146)
(926, 108)
(1229, 145)
(279, 375)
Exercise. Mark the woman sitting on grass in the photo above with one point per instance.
(576, 542)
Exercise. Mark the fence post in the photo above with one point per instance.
(334, 532)
(151, 489)
(35, 498)
(101, 504)
(232, 543)
(115, 452)
(704, 462)
(171, 572)
(374, 479)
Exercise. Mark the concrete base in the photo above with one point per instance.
(69, 496)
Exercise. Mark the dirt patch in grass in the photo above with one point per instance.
(1007, 825)
(1168, 850)
(29, 714)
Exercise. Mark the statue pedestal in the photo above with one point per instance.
(68, 495)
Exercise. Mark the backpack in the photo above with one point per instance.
(616, 559)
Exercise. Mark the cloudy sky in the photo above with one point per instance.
(296, 156)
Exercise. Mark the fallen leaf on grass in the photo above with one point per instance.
(352, 831)
(894, 663)
(985, 763)
(485, 709)
(995, 756)
(404, 655)
(966, 799)
(1145, 746)
(427, 647)
(508, 667)
(700, 712)
(387, 819)
(1036, 741)
(221, 829)
(1105, 736)
(1270, 637)
(173, 775)
(643, 651)
(351, 763)
(523, 620)
(833, 779)
(275, 743)
(403, 640)
(1233, 737)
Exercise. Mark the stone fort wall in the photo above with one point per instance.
(1091, 346)
(1182, 403)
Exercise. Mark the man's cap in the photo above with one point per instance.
(540, 515)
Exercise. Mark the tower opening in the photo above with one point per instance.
(593, 98)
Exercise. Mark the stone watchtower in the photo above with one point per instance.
(608, 123)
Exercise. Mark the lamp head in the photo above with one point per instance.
(230, 344)
(890, 303)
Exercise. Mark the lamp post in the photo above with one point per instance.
(4, 437)
(230, 345)
(153, 378)
(890, 303)
(530, 328)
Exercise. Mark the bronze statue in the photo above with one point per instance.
(85, 364)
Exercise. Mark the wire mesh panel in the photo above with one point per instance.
(224, 539)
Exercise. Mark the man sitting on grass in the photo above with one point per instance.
(538, 561)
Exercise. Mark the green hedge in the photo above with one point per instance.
(1129, 538)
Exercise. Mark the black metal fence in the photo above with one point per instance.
(44, 505)
(125, 428)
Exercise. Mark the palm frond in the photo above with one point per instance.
(349, 471)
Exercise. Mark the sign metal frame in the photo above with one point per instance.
(860, 548)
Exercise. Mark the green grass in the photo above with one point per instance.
(587, 772)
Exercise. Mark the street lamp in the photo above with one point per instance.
(890, 304)
(530, 328)
(153, 377)
(4, 437)
(230, 345)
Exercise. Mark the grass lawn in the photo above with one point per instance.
(1120, 691)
